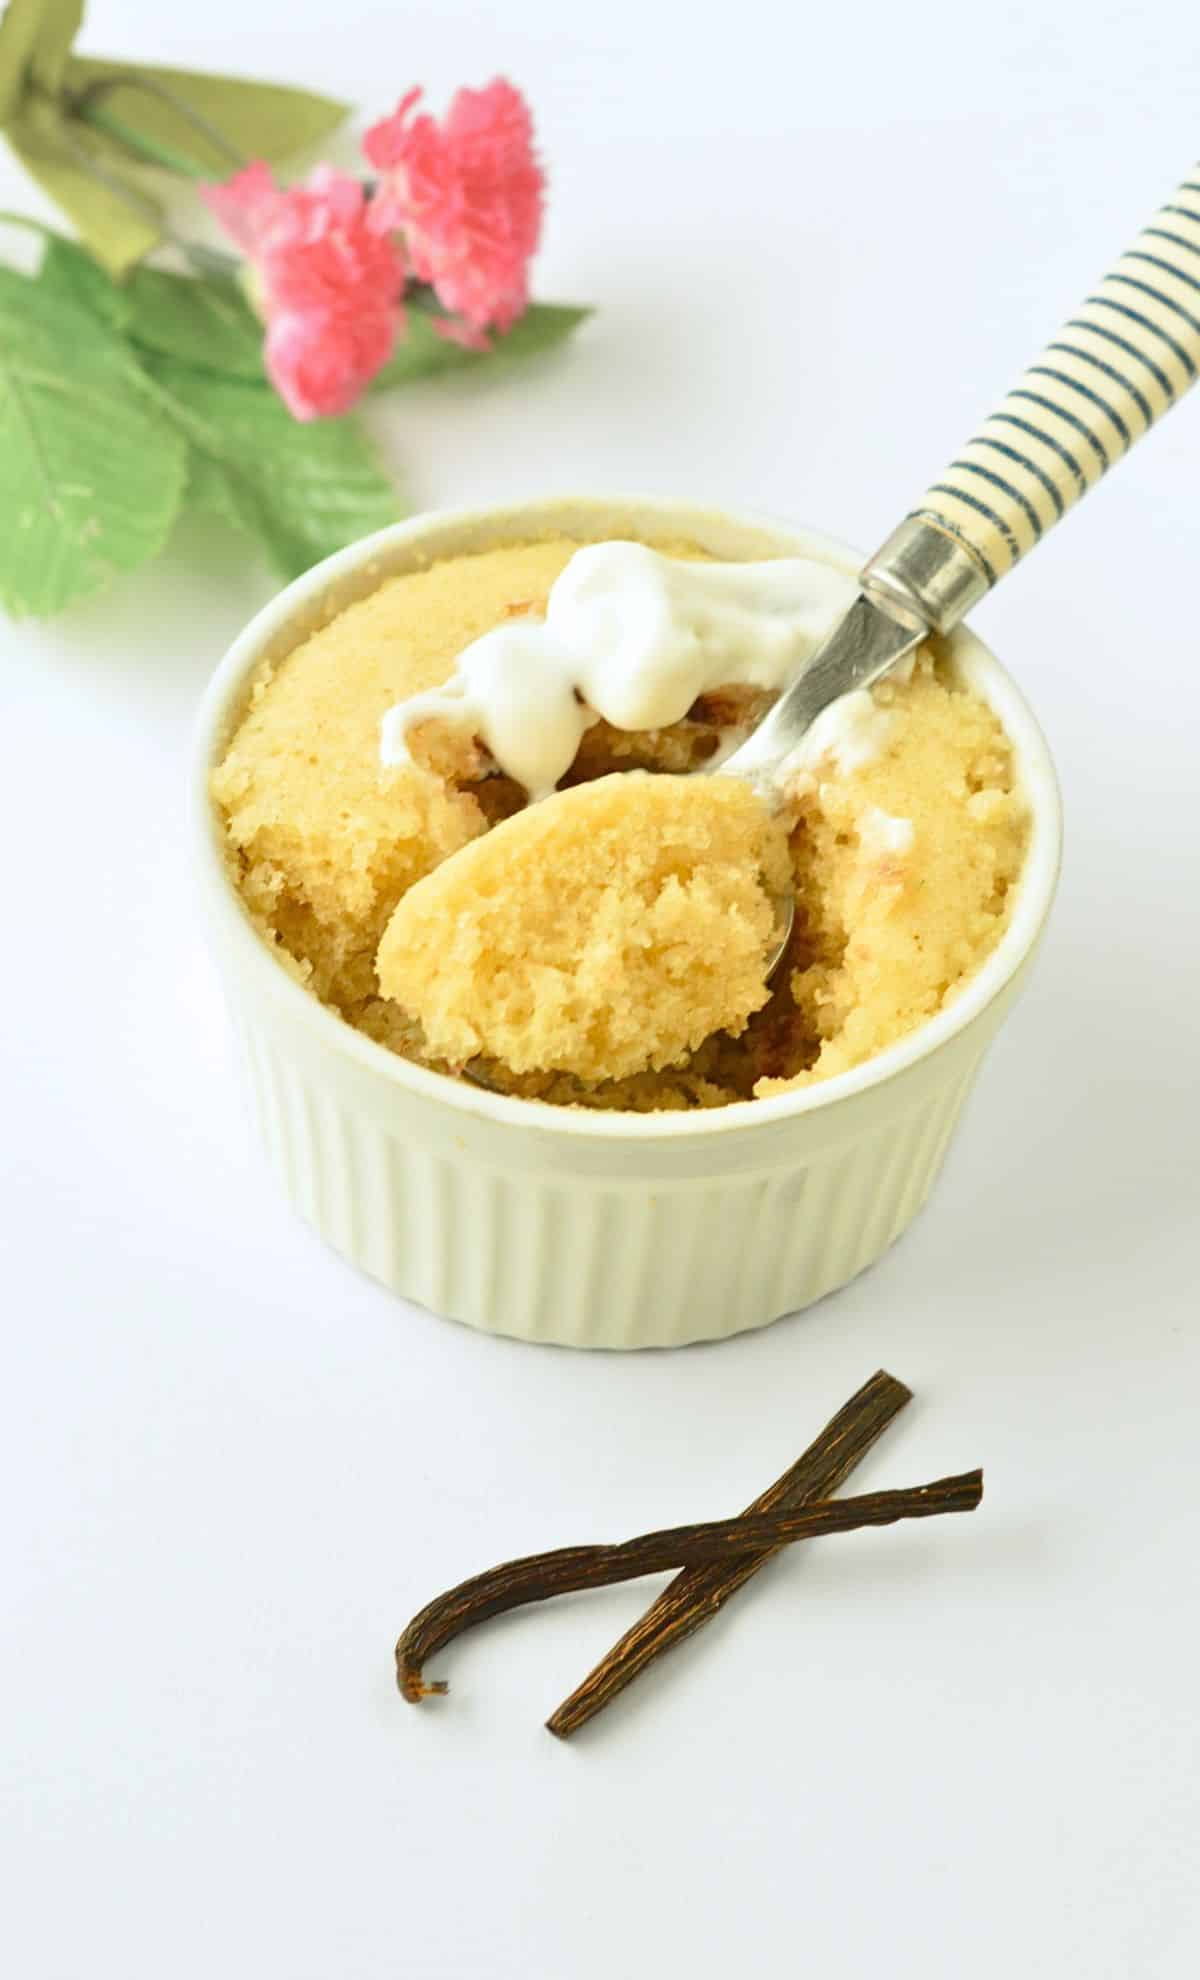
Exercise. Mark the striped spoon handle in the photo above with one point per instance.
(1128, 353)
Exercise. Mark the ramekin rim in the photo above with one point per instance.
(1035, 890)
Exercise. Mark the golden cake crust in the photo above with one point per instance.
(324, 839)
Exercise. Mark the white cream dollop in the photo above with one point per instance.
(883, 836)
(848, 733)
(635, 637)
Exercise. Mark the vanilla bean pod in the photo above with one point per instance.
(696, 1594)
(536, 1577)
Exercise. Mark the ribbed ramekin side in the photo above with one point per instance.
(619, 1264)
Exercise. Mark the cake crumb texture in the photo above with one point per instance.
(905, 868)
(323, 839)
(605, 932)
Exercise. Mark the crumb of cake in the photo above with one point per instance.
(910, 862)
(713, 723)
(606, 932)
(321, 840)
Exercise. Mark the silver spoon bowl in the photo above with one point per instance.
(863, 645)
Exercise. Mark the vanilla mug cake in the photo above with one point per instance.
(498, 938)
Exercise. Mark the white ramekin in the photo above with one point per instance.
(596, 1229)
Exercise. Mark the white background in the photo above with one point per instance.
(821, 245)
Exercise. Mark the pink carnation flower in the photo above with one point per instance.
(329, 285)
(467, 197)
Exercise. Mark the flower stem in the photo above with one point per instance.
(147, 150)
(86, 105)
(27, 221)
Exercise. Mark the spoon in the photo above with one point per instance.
(1131, 349)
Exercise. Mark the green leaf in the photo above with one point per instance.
(303, 489)
(88, 171)
(213, 490)
(35, 39)
(69, 272)
(262, 120)
(120, 222)
(202, 320)
(91, 476)
(423, 354)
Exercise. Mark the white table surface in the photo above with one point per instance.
(231, 1468)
